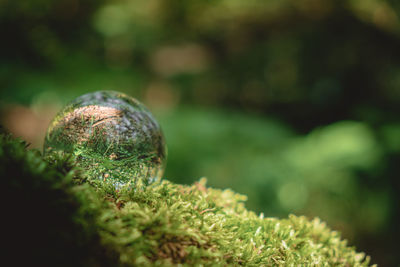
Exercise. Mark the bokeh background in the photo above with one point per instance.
(294, 103)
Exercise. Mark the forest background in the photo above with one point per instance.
(294, 103)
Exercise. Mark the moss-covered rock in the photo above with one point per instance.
(57, 215)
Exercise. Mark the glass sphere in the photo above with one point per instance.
(114, 136)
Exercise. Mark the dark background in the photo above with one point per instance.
(294, 103)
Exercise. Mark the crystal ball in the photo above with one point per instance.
(113, 136)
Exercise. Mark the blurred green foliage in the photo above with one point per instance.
(294, 102)
(280, 171)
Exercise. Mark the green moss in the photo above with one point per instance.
(58, 215)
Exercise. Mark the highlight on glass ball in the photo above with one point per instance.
(112, 134)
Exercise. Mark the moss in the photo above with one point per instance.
(58, 215)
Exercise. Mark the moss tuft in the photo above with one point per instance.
(58, 215)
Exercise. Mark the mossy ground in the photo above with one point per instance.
(57, 215)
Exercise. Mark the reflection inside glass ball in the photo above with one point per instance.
(112, 135)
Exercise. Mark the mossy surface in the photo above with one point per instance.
(58, 215)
